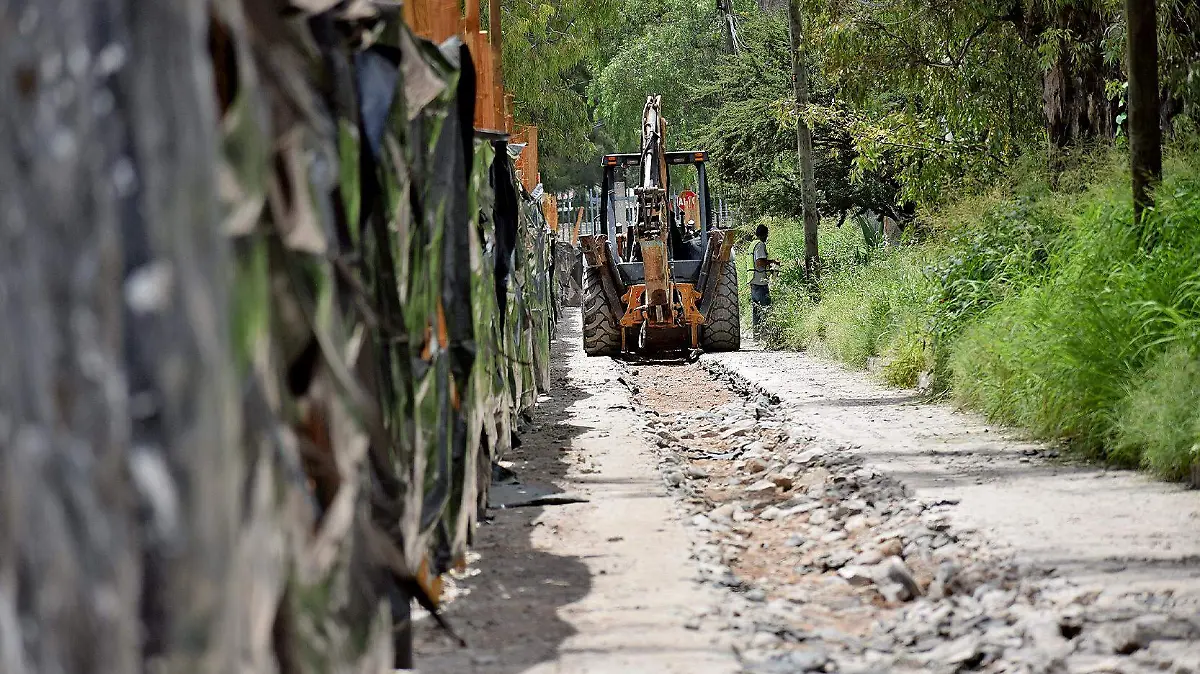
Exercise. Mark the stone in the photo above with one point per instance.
(756, 595)
(1045, 636)
(855, 523)
(794, 541)
(800, 504)
(1121, 638)
(856, 575)
(915, 549)
(837, 559)
(674, 478)
(855, 505)
(869, 557)
(940, 586)
(741, 516)
(755, 465)
(728, 579)
(738, 429)
(891, 547)
(1097, 664)
(782, 481)
(834, 536)
(1155, 627)
(806, 457)
(894, 593)
(963, 650)
(756, 448)
(1177, 657)
(935, 521)
(696, 473)
(818, 517)
(995, 602)
(761, 487)
(770, 514)
(722, 513)
(950, 552)
(896, 571)
(796, 595)
(807, 660)
(765, 640)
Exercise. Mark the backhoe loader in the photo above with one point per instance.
(653, 285)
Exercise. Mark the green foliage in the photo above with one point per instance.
(752, 134)
(873, 301)
(1061, 357)
(660, 47)
(1042, 308)
(1007, 250)
(941, 95)
(1159, 420)
(550, 50)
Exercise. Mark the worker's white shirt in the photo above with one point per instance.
(760, 253)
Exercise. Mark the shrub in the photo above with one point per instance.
(1043, 307)
(1063, 355)
(1158, 424)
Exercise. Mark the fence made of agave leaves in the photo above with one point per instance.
(269, 311)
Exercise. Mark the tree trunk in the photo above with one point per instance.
(804, 140)
(1076, 106)
(725, 7)
(1145, 137)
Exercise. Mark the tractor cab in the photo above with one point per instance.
(687, 188)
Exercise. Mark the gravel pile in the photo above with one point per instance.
(832, 566)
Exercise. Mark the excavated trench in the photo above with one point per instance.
(828, 564)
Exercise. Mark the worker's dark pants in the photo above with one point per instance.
(760, 299)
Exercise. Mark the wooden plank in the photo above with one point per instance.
(471, 18)
(527, 163)
(485, 96)
(550, 212)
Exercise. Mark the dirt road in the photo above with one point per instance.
(604, 586)
(770, 512)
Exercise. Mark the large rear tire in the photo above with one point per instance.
(723, 327)
(601, 332)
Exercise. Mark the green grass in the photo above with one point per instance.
(873, 301)
(1045, 308)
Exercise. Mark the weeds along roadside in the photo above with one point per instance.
(1041, 307)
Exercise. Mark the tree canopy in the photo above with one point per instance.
(911, 98)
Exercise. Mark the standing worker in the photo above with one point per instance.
(760, 290)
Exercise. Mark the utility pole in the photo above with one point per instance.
(804, 141)
(1145, 137)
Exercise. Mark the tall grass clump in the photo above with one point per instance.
(871, 302)
(1091, 349)
(1039, 303)
(1157, 423)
